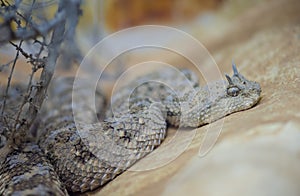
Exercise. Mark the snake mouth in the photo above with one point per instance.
(258, 99)
(258, 94)
(254, 100)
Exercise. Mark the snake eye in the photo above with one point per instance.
(233, 91)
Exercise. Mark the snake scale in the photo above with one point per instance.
(60, 161)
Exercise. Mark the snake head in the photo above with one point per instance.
(243, 93)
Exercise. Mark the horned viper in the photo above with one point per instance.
(136, 124)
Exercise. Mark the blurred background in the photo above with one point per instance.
(213, 23)
(120, 14)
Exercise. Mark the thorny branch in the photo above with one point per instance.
(10, 14)
(10, 77)
(56, 31)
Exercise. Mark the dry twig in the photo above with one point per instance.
(17, 23)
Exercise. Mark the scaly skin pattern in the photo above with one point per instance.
(87, 156)
(24, 169)
(94, 154)
(28, 172)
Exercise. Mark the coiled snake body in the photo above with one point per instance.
(61, 160)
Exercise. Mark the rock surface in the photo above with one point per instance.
(258, 150)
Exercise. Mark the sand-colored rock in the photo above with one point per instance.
(258, 150)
